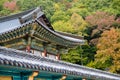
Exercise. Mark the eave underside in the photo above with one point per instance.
(40, 33)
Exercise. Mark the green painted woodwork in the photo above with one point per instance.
(23, 74)
(9, 73)
(34, 34)
(16, 43)
(18, 33)
(37, 47)
(17, 78)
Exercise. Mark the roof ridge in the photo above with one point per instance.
(13, 16)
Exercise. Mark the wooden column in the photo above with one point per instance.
(28, 48)
(58, 56)
(44, 53)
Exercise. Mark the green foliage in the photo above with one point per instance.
(115, 8)
(57, 25)
(80, 55)
(27, 4)
(47, 5)
(88, 53)
(5, 12)
(78, 23)
(79, 9)
(59, 16)
(73, 56)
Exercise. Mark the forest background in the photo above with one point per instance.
(97, 20)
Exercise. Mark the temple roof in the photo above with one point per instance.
(15, 24)
(21, 60)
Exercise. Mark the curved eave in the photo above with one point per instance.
(22, 60)
(12, 34)
(60, 39)
(70, 35)
(12, 22)
(14, 16)
(48, 34)
(53, 36)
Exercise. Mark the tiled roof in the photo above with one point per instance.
(22, 59)
(17, 26)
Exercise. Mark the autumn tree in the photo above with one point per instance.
(63, 26)
(10, 5)
(78, 23)
(108, 53)
(99, 22)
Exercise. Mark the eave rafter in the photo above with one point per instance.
(55, 38)
(14, 34)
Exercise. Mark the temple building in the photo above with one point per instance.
(30, 50)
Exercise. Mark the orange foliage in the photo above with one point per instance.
(102, 20)
(99, 22)
(10, 5)
(109, 45)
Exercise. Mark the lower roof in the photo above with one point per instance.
(19, 59)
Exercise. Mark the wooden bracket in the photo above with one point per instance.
(63, 77)
(34, 74)
(84, 79)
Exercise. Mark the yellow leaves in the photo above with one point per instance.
(109, 39)
(56, 6)
(63, 26)
(77, 22)
(109, 46)
(75, 25)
